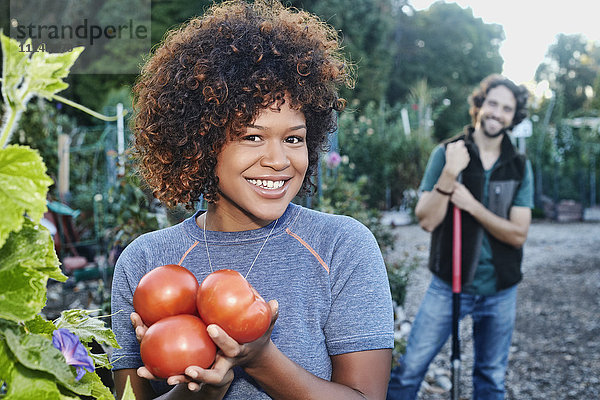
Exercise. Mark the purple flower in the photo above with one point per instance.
(74, 352)
(333, 159)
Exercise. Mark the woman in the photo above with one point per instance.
(235, 106)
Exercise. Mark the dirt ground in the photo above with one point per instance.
(555, 353)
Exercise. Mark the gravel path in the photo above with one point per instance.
(556, 352)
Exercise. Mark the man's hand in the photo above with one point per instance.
(457, 158)
(463, 199)
(512, 231)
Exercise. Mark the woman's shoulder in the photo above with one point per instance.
(332, 225)
(158, 239)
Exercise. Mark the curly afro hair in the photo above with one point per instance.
(213, 76)
(478, 96)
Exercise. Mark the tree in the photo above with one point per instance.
(90, 88)
(400, 158)
(592, 106)
(365, 28)
(450, 48)
(571, 68)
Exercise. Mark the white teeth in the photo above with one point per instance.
(266, 184)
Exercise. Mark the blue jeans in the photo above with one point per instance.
(493, 322)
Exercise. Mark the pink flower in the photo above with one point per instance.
(74, 352)
(333, 159)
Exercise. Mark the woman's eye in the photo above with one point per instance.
(251, 138)
(294, 139)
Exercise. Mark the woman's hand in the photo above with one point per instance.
(138, 326)
(229, 354)
(140, 330)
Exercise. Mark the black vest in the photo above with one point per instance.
(505, 180)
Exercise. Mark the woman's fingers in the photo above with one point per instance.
(138, 325)
(274, 304)
(143, 372)
(219, 374)
(227, 345)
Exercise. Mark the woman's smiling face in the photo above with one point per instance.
(261, 170)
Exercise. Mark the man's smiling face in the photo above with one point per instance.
(497, 111)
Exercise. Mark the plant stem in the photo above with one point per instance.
(8, 125)
(85, 109)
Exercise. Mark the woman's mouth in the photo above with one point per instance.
(266, 183)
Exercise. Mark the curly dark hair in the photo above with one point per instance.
(213, 76)
(478, 96)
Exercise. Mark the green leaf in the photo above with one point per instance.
(27, 384)
(28, 74)
(37, 352)
(14, 64)
(87, 328)
(27, 261)
(40, 325)
(48, 69)
(128, 392)
(7, 360)
(98, 389)
(23, 188)
(22, 382)
(100, 359)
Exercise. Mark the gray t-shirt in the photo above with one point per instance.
(326, 271)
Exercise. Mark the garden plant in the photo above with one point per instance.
(39, 359)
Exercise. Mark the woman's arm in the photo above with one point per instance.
(359, 375)
(367, 372)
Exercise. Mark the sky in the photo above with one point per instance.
(530, 27)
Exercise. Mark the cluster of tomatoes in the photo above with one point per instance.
(177, 311)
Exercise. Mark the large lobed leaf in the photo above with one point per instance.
(28, 74)
(23, 382)
(27, 261)
(48, 69)
(14, 63)
(23, 188)
(36, 352)
(87, 328)
(33, 368)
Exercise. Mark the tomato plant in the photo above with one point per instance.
(227, 299)
(165, 291)
(174, 343)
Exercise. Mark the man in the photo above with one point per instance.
(481, 173)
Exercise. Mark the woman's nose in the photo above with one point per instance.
(275, 157)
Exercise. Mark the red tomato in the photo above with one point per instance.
(165, 291)
(174, 343)
(227, 299)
